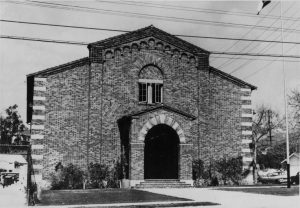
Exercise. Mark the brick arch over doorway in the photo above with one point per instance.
(162, 119)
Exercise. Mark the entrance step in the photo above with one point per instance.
(163, 183)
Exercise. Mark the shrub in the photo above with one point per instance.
(102, 176)
(230, 170)
(218, 172)
(98, 175)
(69, 177)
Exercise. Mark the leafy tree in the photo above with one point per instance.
(274, 156)
(294, 105)
(265, 120)
(12, 127)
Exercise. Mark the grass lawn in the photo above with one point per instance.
(280, 191)
(104, 196)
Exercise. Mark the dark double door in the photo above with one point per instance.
(161, 153)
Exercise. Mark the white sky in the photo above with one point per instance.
(19, 58)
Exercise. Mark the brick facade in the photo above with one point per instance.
(83, 101)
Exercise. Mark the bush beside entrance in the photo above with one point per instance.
(225, 171)
(73, 177)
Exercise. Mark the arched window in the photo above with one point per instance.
(150, 85)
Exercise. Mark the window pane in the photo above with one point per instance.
(142, 92)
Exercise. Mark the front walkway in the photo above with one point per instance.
(232, 199)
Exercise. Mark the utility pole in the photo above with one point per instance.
(285, 106)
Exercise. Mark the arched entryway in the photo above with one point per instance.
(161, 153)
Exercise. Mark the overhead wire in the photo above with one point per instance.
(122, 31)
(84, 43)
(261, 51)
(135, 14)
(192, 9)
(264, 66)
(245, 34)
(244, 49)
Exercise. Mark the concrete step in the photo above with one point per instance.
(162, 183)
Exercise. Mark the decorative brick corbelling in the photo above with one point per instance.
(246, 150)
(246, 132)
(246, 124)
(245, 115)
(39, 79)
(39, 98)
(37, 167)
(37, 157)
(247, 106)
(37, 136)
(245, 98)
(246, 141)
(38, 107)
(38, 127)
(245, 90)
(38, 117)
(37, 146)
(43, 89)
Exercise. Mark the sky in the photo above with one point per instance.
(19, 58)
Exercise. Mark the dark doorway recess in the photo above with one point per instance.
(161, 153)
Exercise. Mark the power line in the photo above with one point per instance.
(200, 10)
(122, 31)
(236, 42)
(262, 50)
(262, 68)
(261, 35)
(135, 14)
(43, 40)
(85, 43)
(252, 59)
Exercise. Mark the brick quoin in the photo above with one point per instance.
(85, 99)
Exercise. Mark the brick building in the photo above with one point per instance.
(146, 93)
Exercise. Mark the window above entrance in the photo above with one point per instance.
(150, 85)
(150, 91)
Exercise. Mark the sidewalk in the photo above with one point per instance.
(232, 199)
(14, 196)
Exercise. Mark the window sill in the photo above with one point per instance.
(150, 104)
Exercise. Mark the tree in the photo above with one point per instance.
(294, 106)
(265, 121)
(13, 130)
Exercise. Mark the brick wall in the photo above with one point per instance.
(84, 104)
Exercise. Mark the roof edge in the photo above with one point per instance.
(150, 31)
(62, 67)
(231, 78)
(162, 106)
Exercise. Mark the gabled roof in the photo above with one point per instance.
(149, 31)
(163, 107)
(231, 78)
(295, 154)
(60, 68)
